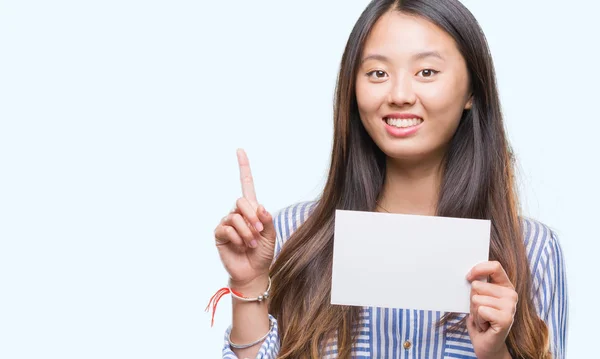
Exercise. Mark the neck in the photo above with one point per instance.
(411, 188)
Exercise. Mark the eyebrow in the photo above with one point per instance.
(415, 57)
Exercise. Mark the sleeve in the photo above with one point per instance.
(550, 298)
(268, 349)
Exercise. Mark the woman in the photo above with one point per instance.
(418, 130)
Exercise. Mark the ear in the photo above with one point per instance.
(469, 103)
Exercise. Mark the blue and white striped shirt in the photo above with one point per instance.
(413, 334)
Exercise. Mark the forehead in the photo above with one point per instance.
(396, 33)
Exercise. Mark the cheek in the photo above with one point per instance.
(369, 98)
(444, 102)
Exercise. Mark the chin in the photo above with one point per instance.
(410, 152)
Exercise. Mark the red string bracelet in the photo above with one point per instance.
(214, 300)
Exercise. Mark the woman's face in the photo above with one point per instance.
(412, 87)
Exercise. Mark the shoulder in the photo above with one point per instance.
(543, 248)
(288, 219)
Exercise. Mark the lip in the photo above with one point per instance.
(402, 132)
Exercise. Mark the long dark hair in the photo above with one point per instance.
(477, 183)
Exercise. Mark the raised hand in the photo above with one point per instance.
(493, 306)
(245, 238)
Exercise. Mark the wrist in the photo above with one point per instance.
(502, 353)
(251, 288)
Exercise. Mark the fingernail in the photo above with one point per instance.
(254, 243)
(468, 275)
(259, 227)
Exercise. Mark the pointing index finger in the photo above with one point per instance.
(246, 177)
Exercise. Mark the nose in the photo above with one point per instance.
(402, 92)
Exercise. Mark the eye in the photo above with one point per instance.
(427, 73)
(379, 74)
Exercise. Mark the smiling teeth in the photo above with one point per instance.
(396, 122)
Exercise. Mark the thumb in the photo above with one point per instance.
(267, 220)
(471, 327)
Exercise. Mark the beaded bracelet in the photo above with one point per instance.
(244, 346)
(214, 300)
(260, 298)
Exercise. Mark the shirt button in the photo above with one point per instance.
(407, 344)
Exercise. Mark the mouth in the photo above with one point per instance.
(402, 125)
(403, 122)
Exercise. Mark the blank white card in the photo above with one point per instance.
(406, 261)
